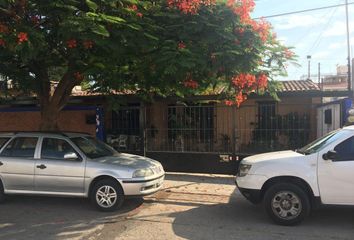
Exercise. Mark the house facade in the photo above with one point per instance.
(200, 134)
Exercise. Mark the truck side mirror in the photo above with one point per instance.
(330, 155)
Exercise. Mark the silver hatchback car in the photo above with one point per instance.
(74, 164)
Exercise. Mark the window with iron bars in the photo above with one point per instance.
(190, 128)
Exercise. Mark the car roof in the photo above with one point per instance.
(351, 127)
(47, 134)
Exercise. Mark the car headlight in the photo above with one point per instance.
(145, 172)
(243, 169)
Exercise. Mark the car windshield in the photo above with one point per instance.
(320, 143)
(93, 148)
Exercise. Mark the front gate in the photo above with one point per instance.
(211, 137)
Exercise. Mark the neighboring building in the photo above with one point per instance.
(336, 82)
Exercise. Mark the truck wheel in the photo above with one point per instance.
(286, 204)
(107, 195)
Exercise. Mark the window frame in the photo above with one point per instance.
(5, 142)
(12, 139)
(79, 155)
(337, 159)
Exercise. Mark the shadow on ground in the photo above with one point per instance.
(23, 217)
(239, 219)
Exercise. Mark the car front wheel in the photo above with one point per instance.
(107, 195)
(286, 204)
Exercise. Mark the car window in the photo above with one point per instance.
(3, 140)
(53, 148)
(93, 148)
(23, 147)
(345, 150)
(320, 143)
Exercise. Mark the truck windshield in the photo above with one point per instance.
(320, 143)
(94, 148)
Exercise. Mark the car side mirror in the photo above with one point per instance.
(71, 156)
(330, 155)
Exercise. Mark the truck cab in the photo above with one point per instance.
(291, 183)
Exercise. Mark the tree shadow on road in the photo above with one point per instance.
(23, 217)
(239, 219)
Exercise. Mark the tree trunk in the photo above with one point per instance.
(52, 103)
(49, 118)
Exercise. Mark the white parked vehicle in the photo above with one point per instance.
(291, 183)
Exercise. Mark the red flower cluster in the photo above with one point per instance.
(245, 83)
(22, 37)
(190, 83)
(288, 54)
(240, 98)
(262, 28)
(243, 80)
(181, 45)
(133, 7)
(72, 43)
(2, 42)
(139, 14)
(262, 81)
(242, 8)
(88, 44)
(78, 76)
(229, 103)
(189, 6)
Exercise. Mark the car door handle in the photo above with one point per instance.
(42, 166)
(1, 164)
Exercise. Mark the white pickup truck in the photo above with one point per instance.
(291, 183)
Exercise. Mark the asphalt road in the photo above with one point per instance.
(189, 207)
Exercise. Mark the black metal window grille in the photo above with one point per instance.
(126, 121)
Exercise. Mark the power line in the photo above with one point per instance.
(302, 11)
(318, 40)
(309, 30)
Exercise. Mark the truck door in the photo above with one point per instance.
(336, 174)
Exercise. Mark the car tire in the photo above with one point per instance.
(2, 194)
(287, 204)
(107, 195)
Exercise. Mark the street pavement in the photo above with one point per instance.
(190, 206)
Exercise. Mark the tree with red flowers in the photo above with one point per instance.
(158, 47)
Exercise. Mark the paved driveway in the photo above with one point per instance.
(189, 207)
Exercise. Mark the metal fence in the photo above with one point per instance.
(212, 128)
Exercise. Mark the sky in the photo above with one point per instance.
(320, 34)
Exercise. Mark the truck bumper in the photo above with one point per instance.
(252, 195)
(250, 187)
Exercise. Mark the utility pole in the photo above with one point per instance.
(319, 75)
(309, 67)
(351, 94)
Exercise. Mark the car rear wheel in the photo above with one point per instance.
(286, 204)
(107, 195)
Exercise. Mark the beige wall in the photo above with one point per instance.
(240, 122)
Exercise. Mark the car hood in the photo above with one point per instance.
(281, 155)
(128, 161)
